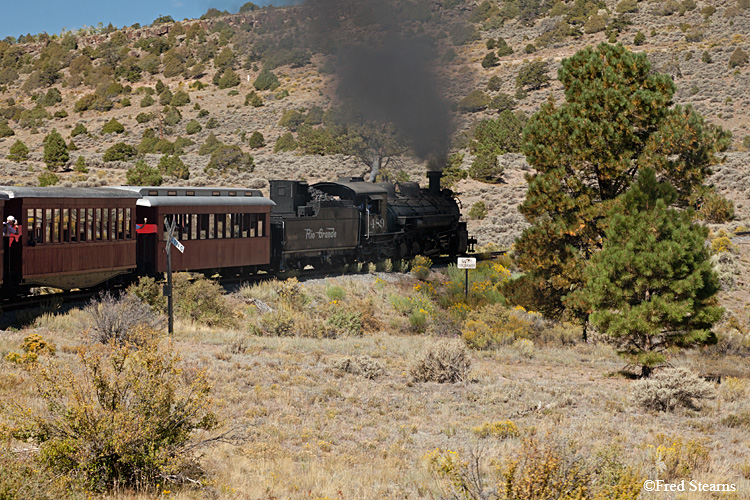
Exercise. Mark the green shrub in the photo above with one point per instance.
(494, 84)
(180, 98)
(148, 291)
(48, 179)
(147, 101)
(256, 140)
(738, 58)
(716, 209)
(639, 39)
(533, 75)
(706, 57)
(165, 97)
(174, 166)
(172, 116)
(113, 127)
(79, 129)
(292, 119)
(144, 117)
(266, 80)
(226, 158)
(254, 100)
(120, 152)
(229, 79)
(285, 142)
(5, 130)
(119, 417)
(18, 151)
(210, 145)
(92, 102)
(490, 60)
(477, 100)
(345, 320)
(143, 175)
(420, 267)
(193, 127)
(201, 300)
(478, 210)
(80, 166)
(212, 123)
(55, 150)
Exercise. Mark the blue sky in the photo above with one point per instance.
(20, 17)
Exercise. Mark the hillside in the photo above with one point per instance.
(114, 74)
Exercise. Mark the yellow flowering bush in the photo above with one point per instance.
(675, 458)
(33, 346)
(501, 430)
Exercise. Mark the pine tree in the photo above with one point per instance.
(617, 119)
(652, 286)
(55, 150)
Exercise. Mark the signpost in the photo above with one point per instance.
(467, 263)
(171, 225)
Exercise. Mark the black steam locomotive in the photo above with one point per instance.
(80, 237)
(333, 223)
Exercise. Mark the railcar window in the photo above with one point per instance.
(203, 226)
(261, 225)
(253, 225)
(82, 224)
(236, 225)
(73, 225)
(167, 220)
(245, 225)
(98, 223)
(47, 220)
(105, 223)
(127, 224)
(90, 224)
(30, 227)
(211, 227)
(65, 225)
(55, 225)
(221, 225)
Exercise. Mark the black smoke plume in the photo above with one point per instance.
(387, 72)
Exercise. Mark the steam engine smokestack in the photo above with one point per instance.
(434, 186)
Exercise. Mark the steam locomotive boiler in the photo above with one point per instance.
(332, 223)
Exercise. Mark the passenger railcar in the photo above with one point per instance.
(223, 229)
(68, 237)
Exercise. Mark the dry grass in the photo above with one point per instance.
(314, 430)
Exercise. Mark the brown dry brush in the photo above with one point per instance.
(122, 416)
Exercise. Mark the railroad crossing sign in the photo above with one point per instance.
(467, 263)
(179, 246)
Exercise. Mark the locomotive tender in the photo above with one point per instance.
(82, 237)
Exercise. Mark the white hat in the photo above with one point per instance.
(11, 218)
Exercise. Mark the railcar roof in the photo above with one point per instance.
(191, 191)
(350, 189)
(166, 196)
(13, 192)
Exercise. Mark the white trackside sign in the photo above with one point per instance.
(467, 263)
(179, 246)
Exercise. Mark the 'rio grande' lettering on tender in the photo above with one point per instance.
(321, 233)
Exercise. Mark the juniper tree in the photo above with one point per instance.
(55, 150)
(652, 286)
(617, 119)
